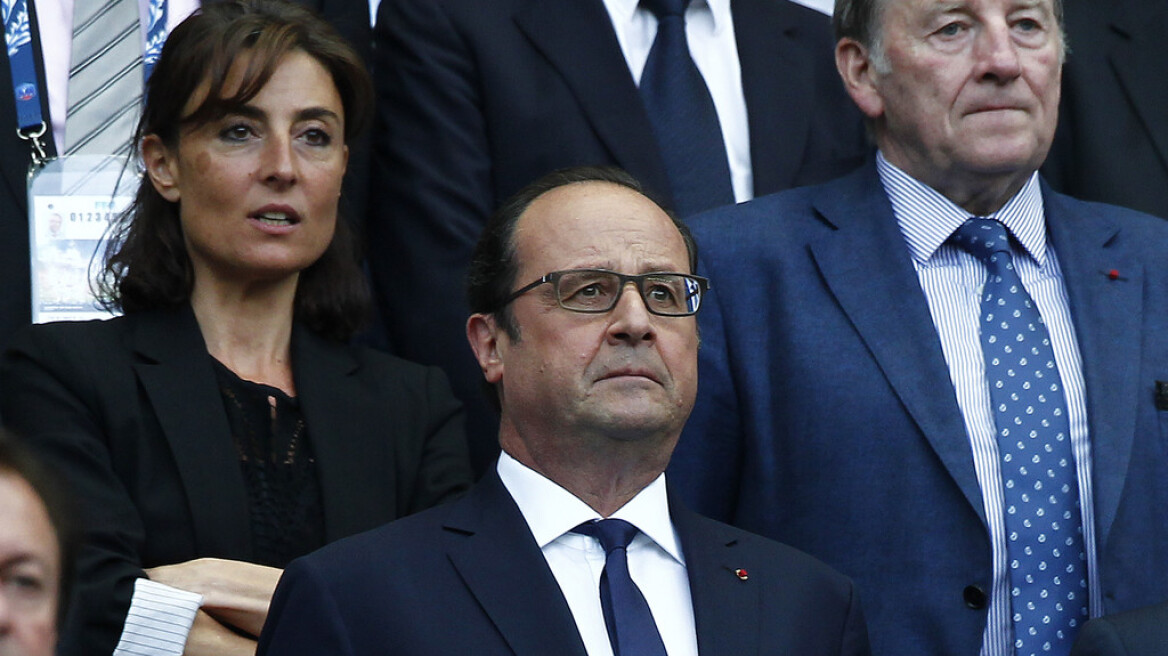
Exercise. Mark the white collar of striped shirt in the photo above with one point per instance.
(927, 219)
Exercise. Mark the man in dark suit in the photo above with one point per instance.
(595, 367)
(350, 17)
(1112, 140)
(846, 397)
(477, 99)
(1139, 632)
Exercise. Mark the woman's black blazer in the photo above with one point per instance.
(129, 414)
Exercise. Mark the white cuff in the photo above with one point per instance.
(159, 620)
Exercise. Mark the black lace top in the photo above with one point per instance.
(279, 468)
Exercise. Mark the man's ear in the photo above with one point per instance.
(162, 167)
(855, 66)
(484, 334)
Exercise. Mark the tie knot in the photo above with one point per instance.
(982, 238)
(664, 8)
(612, 533)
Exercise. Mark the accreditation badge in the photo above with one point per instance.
(72, 203)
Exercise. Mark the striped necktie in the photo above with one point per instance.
(105, 78)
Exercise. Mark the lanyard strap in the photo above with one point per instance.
(30, 123)
(155, 35)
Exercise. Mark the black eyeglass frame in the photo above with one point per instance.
(638, 281)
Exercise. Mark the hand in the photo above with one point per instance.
(234, 592)
(210, 638)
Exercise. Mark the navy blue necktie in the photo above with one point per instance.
(684, 119)
(631, 628)
(1044, 541)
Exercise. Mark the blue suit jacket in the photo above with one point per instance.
(477, 99)
(469, 578)
(826, 417)
(1140, 632)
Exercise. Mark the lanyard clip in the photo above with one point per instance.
(33, 135)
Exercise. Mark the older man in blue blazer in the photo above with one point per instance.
(937, 374)
(573, 544)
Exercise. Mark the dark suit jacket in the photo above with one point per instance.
(826, 417)
(1141, 632)
(1112, 140)
(350, 17)
(129, 415)
(477, 99)
(469, 578)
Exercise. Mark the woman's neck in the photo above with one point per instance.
(248, 328)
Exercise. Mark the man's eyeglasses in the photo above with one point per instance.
(598, 290)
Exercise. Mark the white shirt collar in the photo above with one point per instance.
(624, 10)
(551, 511)
(927, 218)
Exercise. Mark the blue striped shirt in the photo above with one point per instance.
(952, 281)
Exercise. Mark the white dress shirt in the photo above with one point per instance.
(55, 25)
(952, 280)
(656, 563)
(709, 29)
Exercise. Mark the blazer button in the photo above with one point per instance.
(975, 597)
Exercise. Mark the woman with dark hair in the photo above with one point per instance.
(222, 427)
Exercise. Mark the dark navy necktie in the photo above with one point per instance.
(683, 116)
(631, 628)
(1044, 541)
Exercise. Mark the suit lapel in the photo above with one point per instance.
(777, 117)
(866, 264)
(340, 415)
(1142, 77)
(494, 552)
(726, 608)
(175, 371)
(1108, 315)
(577, 38)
